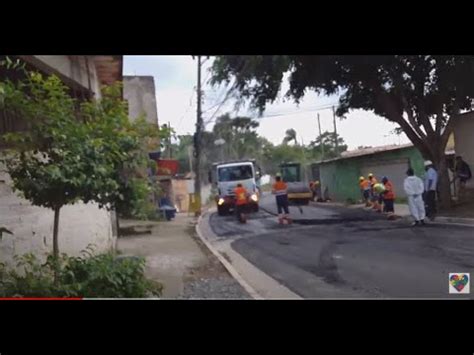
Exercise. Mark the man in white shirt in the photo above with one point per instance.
(414, 189)
(431, 184)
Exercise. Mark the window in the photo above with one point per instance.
(290, 173)
(233, 173)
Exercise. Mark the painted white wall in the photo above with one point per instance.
(464, 142)
(80, 224)
(139, 91)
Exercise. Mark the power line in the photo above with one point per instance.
(316, 109)
(227, 95)
(189, 107)
(191, 99)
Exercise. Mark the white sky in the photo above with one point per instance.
(175, 82)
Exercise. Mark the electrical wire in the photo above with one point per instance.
(315, 109)
(189, 107)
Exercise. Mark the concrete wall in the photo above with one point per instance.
(181, 194)
(464, 141)
(139, 91)
(341, 176)
(76, 68)
(80, 224)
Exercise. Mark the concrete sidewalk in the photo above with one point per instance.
(177, 259)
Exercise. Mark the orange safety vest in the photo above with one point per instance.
(390, 194)
(240, 196)
(280, 188)
(364, 184)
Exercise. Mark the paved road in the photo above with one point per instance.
(351, 253)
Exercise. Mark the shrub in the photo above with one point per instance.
(94, 276)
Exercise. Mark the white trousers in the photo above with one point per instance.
(417, 207)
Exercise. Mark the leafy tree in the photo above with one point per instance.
(181, 152)
(290, 136)
(423, 94)
(71, 151)
(328, 142)
(239, 135)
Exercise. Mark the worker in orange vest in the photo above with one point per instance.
(373, 194)
(241, 199)
(365, 190)
(388, 198)
(280, 190)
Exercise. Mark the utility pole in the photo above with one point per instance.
(197, 142)
(335, 130)
(190, 158)
(321, 139)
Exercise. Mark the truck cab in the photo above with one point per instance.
(227, 175)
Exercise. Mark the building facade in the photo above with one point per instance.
(140, 93)
(80, 224)
(340, 176)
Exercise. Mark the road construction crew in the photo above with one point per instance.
(280, 190)
(364, 189)
(373, 195)
(388, 198)
(314, 185)
(241, 196)
(378, 189)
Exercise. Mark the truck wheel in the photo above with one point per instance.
(255, 208)
(222, 211)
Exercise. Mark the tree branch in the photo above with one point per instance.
(423, 118)
(384, 100)
(411, 119)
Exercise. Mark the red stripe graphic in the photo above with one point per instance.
(40, 298)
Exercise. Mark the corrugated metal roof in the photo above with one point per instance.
(373, 150)
(368, 151)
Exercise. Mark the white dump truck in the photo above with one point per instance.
(226, 175)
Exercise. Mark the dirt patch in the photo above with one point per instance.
(213, 267)
(462, 210)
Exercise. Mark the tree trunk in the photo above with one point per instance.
(444, 186)
(117, 223)
(56, 244)
(439, 160)
(55, 233)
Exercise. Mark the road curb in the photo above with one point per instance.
(455, 220)
(228, 266)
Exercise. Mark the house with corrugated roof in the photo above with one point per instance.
(340, 176)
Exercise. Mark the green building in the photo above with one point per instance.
(340, 176)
